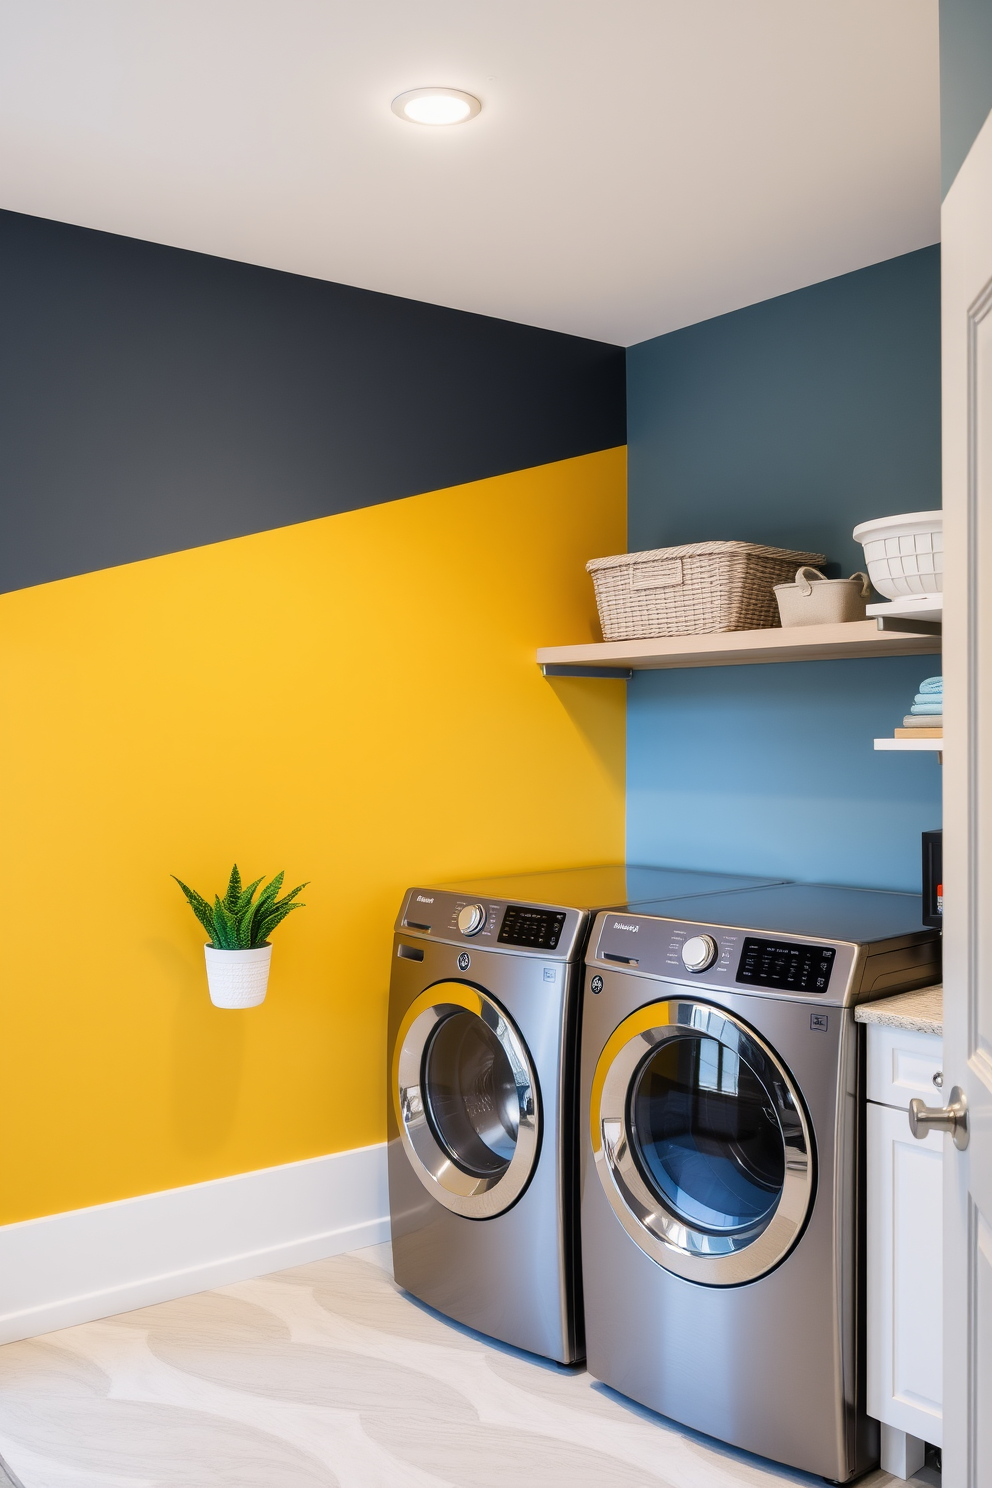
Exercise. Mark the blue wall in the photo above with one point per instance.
(786, 423)
(965, 80)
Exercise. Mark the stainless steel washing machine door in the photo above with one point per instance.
(466, 1100)
(701, 1142)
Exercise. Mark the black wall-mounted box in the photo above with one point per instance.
(933, 879)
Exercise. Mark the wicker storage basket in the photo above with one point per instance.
(694, 589)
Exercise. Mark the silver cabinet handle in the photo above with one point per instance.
(953, 1118)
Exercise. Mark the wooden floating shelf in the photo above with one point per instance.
(621, 659)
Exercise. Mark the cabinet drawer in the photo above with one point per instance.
(902, 1065)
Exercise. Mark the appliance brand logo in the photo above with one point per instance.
(619, 925)
(422, 900)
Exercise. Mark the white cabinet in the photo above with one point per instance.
(904, 1280)
(903, 1065)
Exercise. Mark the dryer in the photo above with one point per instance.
(481, 1106)
(721, 1215)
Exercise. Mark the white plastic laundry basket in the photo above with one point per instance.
(904, 554)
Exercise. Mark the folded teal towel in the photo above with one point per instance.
(921, 708)
(929, 697)
(932, 684)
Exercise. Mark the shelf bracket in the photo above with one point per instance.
(614, 674)
(909, 627)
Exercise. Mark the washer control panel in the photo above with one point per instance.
(498, 924)
(723, 957)
(524, 926)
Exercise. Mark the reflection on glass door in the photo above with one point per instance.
(471, 1095)
(706, 1135)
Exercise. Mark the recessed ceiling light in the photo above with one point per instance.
(436, 106)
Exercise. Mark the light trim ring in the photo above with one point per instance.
(436, 107)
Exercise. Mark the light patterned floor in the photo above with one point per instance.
(327, 1376)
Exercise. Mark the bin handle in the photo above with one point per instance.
(806, 577)
(662, 573)
(806, 584)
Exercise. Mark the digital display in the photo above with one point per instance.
(786, 968)
(539, 929)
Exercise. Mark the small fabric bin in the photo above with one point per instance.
(816, 600)
(694, 589)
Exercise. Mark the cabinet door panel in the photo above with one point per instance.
(901, 1065)
(904, 1275)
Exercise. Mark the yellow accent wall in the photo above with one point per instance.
(353, 699)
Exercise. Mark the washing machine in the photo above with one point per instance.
(481, 1108)
(722, 1165)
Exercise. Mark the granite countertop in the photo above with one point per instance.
(921, 1011)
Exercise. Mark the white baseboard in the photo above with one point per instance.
(91, 1263)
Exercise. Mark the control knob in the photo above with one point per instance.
(699, 952)
(471, 919)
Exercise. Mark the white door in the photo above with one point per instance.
(967, 435)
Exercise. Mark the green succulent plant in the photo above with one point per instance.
(239, 921)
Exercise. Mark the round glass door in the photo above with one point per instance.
(466, 1100)
(471, 1095)
(701, 1142)
(705, 1135)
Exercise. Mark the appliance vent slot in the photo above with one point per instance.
(415, 925)
(409, 953)
(624, 960)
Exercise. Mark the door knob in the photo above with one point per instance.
(952, 1118)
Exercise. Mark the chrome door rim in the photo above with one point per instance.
(696, 1254)
(463, 1193)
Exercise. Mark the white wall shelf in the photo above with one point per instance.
(923, 610)
(856, 638)
(913, 746)
(910, 746)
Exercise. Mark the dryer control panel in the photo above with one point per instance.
(732, 959)
(495, 924)
(785, 966)
(722, 957)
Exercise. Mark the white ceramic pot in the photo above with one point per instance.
(237, 979)
(904, 554)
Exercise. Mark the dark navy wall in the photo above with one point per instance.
(786, 423)
(965, 79)
(153, 399)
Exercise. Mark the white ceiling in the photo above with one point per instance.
(638, 165)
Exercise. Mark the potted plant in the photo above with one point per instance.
(239, 925)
